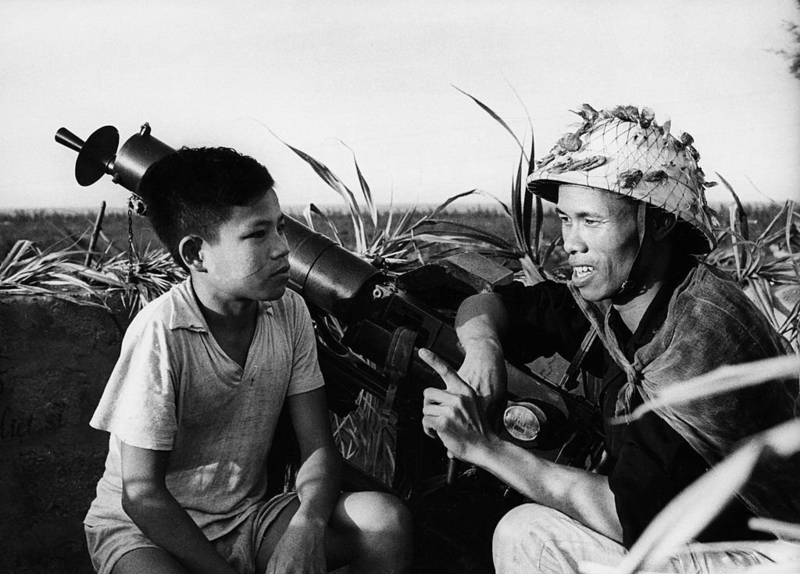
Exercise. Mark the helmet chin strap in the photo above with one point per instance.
(631, 285)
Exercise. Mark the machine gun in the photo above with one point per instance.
(370, 324)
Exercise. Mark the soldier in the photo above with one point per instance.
(634, 218)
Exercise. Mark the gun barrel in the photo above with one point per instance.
(326, 274)
(69, 139)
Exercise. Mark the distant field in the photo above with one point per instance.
(61, 230)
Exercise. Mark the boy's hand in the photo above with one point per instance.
(301, 549)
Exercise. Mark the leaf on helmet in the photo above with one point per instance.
(570, 142)
(588, 163)
(562, 165)
(545, 160)
(656, 175)
(627, 113)
(666, 127)
(646, 117)
(587, 112)
(629, 178)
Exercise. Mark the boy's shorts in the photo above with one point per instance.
(111, 541)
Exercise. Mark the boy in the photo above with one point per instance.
(193, 402)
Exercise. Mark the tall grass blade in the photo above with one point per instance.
(719, 381)
(533, 273)
(741, 219)
(692, 510)
(403, 226)
(313, 209)
(521, 214)
(538, 229)
(387, 228)
(365, 189)
(762, 295)
(784, 215)
(496, 118)
(737, 249)
(333, 181)
(534, 203)
(790, 227)
(516, 210)
(20, 248)
(442, 206)
(783, 530)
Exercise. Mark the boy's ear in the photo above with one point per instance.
(189, 249)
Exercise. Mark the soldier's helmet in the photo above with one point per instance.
(623, 150)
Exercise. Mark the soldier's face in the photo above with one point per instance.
(600, 236)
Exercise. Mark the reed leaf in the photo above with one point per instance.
(786, 211)
(403, 226)
(365, 189)
(496, 118)
(792, 567)
(467, 231)
(19, 248)
(313, 209)
(783, 530)
(333, 181)
(739, 214)
(719, 381)
(692, 510)
(521, 231)
(789, 227)
(522, 203)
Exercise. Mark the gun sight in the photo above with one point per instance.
(98, 156)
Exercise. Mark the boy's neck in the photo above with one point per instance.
(222, 310)
(232, 322)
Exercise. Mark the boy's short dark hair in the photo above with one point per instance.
(192, 192)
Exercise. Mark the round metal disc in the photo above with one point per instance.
(522, 421)
(96, 155)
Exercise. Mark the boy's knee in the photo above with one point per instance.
(383, 513)
(378, 529)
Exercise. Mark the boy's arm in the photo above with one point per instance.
(301, 548)
(319, 477)
(148, 502)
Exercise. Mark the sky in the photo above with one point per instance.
(382, 79)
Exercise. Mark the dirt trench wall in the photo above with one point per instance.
(55, 358)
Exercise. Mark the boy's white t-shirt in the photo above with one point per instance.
(174, 388)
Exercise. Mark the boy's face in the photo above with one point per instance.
(250, 258)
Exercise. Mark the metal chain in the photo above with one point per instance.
(130, 239)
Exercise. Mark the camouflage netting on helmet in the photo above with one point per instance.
(623, 150)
